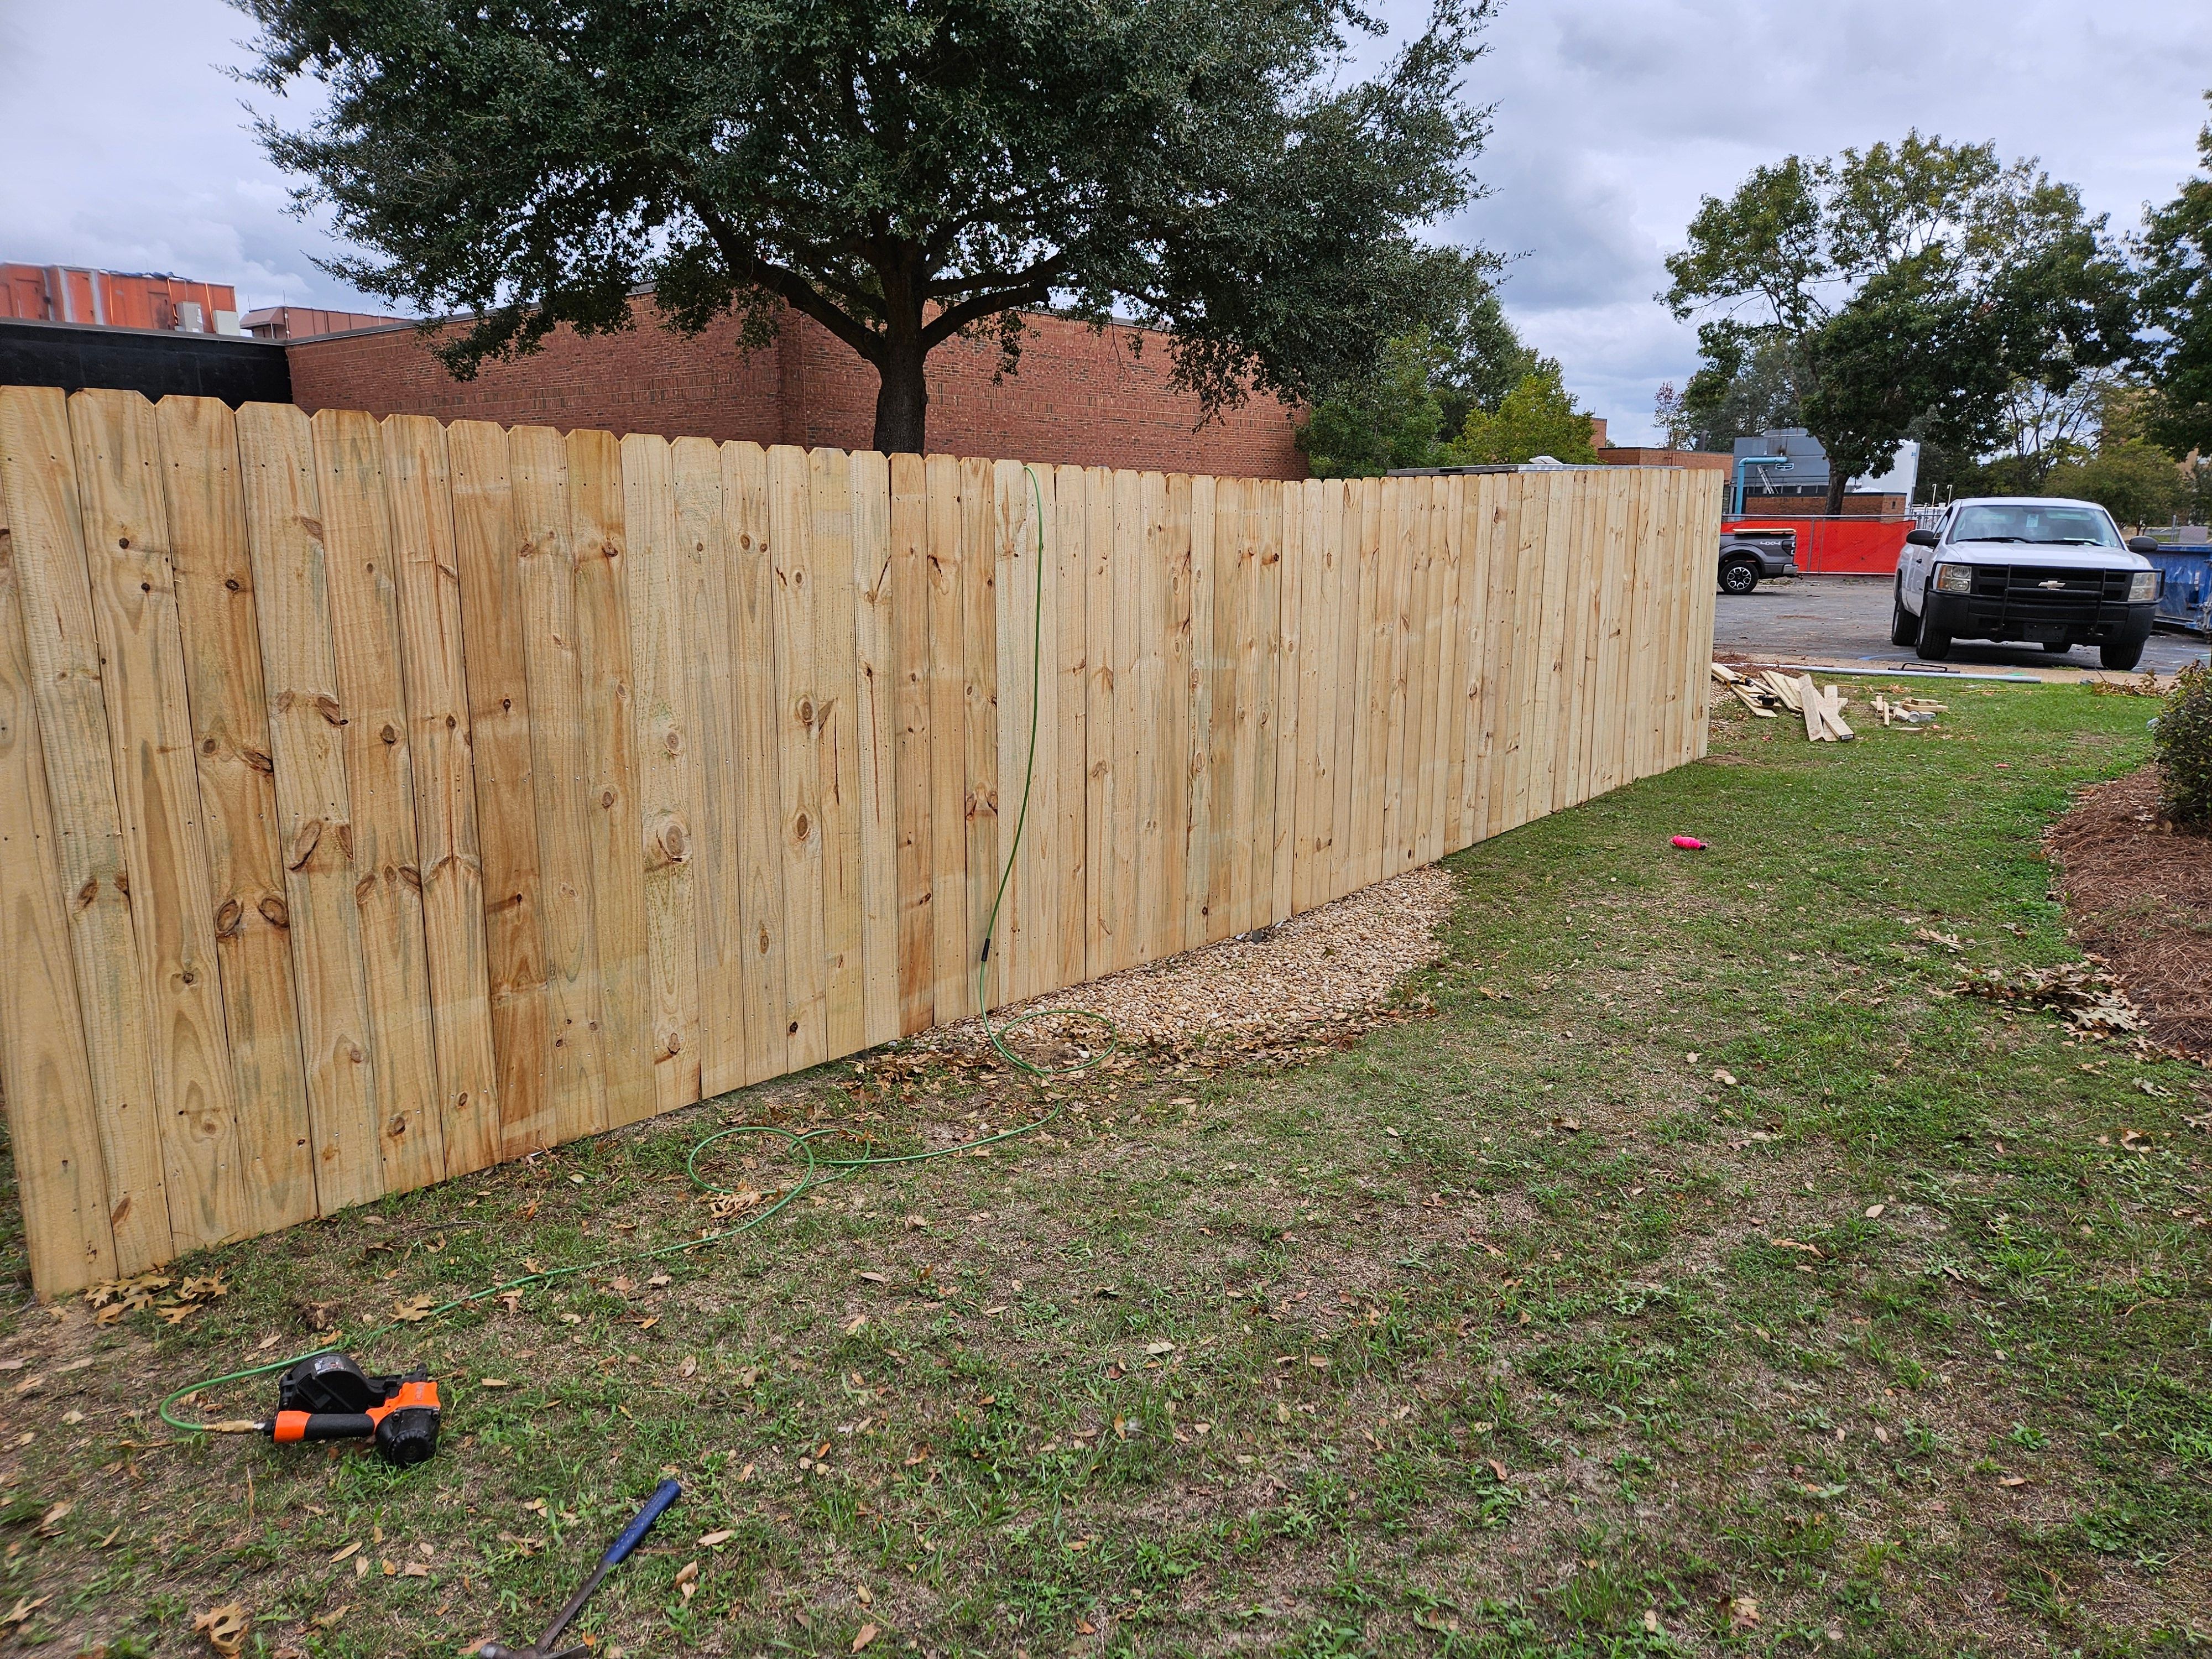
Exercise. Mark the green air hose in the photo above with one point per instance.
(817, 1170)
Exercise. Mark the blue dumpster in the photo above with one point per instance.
(2184, 589)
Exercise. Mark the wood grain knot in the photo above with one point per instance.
(229, 917)
(274, 911)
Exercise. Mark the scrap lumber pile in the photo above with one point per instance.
(1907, 711)
(1768, 690)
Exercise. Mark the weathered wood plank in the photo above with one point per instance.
(307, 729)
(663, 574)
(1198, 816)
(359, 570)
(157, 796)
(876, 724)
(764, 912)
(418, 489)
(495, 633)
(560, 775)
(46, 1079)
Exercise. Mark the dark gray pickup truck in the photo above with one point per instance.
(1750, 555)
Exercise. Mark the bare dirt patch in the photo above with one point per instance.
(2140, 896)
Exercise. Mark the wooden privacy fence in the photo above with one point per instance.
(382, 799)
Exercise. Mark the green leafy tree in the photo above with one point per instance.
(2177, 290)
(2127, 472)
(1480, 359)
(900, 173)
(1537, 417)
(1382, 421)
(1746, 385)
(1903, 286)
(1427, 384)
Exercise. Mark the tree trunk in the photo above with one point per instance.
(902, 399)
(1837, 482)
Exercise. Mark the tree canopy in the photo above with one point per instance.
(900, 173)
(2177, 250)
(1537, 417)
(1427, 386)
(1900, 291)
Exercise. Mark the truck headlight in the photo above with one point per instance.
(2142, 587)
(1954, 578)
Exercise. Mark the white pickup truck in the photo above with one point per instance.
(2029, 567)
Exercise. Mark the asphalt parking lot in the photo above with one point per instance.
(1844, 620)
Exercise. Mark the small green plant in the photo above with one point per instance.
(2184, 741)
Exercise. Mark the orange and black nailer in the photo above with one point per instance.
(327, 1397)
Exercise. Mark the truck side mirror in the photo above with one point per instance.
(2143, 544)
(1921, 537)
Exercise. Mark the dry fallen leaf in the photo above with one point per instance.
(853, 1325)
(22, 1612)
(1872, 1211)
(714, 1540)
(225, 1627)
(50, 1523)
(1743, 1613)
(493, 1382)
(865, 1595)
(350, 1549)
(414, 1308)
(867, 1634)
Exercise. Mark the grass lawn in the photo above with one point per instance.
(1698, 1278)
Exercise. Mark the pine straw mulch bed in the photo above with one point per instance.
(2139, 897)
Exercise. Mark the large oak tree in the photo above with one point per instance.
(900, 171)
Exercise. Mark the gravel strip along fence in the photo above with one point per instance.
(1337, 961)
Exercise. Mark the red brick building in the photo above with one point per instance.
(1078, 396)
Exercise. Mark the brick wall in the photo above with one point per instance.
(1078, 397)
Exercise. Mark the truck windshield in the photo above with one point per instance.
(2062, 527)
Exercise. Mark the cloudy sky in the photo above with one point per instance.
(127, 146)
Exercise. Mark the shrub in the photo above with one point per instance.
(2183, 740)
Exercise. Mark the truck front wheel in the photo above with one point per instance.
(1930, 644)
(2122, 655)
(1904, 626)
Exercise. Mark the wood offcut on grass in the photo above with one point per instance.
(1701, 1276)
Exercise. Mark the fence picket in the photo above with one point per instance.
(364, 611)
(875, 725)
(418, 486)
(157, 795)
(307, 729)
(662, 583)
(53, 1114)
(494, 630)
(911, 699)
(765, 916)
